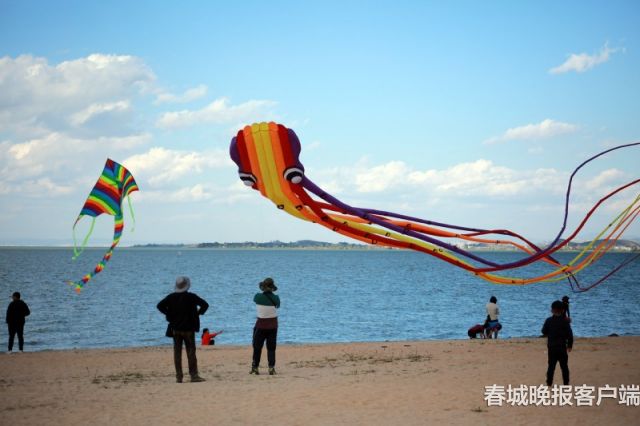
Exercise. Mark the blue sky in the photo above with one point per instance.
(468, 113)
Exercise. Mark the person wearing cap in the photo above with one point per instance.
(17, 311)
(559, 342)
(266, 328)
(565, 305)
(183, 309)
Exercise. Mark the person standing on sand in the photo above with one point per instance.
(559, 342)
(183, 310)
(17, 311)
(266, 328)
(492, 318)
(565, 305)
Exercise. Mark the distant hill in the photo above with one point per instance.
(302, 244)
(619, 245)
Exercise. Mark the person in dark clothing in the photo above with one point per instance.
(565, 306)
(266, 328)
(559, 342)
(17, 311)
(183, 309)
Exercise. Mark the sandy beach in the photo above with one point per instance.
(394, 383)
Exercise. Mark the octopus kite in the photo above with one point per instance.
(113, 186)
(267, 156)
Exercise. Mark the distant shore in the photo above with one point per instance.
(335, 247)
(385, 383)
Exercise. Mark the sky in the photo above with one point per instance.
(470, 113)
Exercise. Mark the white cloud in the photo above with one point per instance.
(82, 117)
(380, 178)
(544, 130)
(218, 112)
(605, 179)
(189, 95)
(480, 177)
(37, 98)
(470, 179)
(582, 62)
(160, 165)
(195, 193)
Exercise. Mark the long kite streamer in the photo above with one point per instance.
(267, 156)
(113, 186)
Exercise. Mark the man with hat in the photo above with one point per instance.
(183, 310)
(266, 328)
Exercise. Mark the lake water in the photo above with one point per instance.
(327, 296)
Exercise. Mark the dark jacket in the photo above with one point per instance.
(16, 312)
(182, 310)
(558, 332)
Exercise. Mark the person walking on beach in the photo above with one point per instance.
(492, 324)
(559, 342)
(17, 311)
(266, 328)
(183, 310)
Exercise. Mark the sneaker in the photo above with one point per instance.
(9, 352)
(254, 370)
(272, 371)
(197, 379)
(178, 379)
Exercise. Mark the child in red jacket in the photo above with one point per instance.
(208, 338)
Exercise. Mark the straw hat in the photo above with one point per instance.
(182, 284)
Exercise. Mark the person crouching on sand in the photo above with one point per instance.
(266, 328)
(208, 338)
(183, 310)
(559, 342)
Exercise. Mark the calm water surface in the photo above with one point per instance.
(327, 296)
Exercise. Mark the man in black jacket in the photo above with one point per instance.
(182, 310)
(16, 313)
(559, 341)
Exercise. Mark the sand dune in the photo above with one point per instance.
(387, 383)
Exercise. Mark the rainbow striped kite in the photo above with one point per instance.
(115, 183)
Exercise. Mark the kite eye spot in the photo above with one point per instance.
(293, 175)
(248, 179)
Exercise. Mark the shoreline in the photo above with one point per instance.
(325, 343)
(402, 382)
(364, 248)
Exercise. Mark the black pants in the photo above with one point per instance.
(189, 339)
(558, 355)
(259, 337)
(19, 330)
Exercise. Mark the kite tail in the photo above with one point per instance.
(133, 217)
(117, 233)
(77, 251)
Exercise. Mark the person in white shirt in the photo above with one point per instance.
(492, 326)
